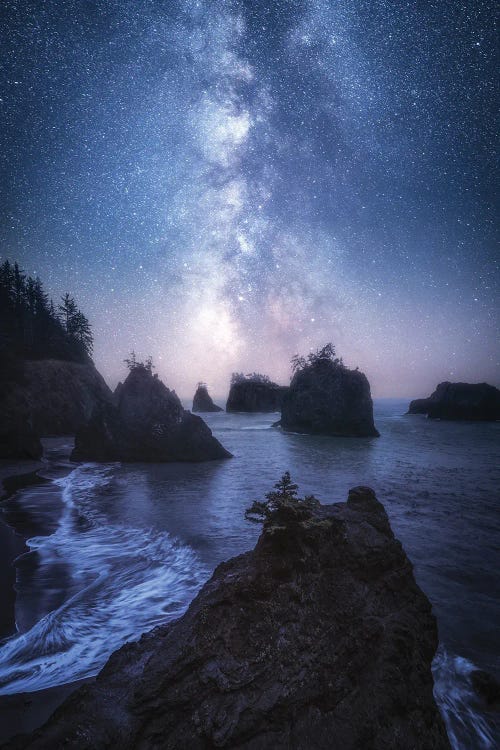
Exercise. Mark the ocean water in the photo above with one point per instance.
(116, 549)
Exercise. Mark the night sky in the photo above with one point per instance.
(224, 184)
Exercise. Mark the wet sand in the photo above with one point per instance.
(25, 712)
(22, 712)
(12, 544)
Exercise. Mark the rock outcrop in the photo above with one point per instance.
(326, 398)
(18, 440)
(467, 401)
(202, 400)
(46, 397)
(145, 422)
(57, 396)
(318, 638)
(250, 395)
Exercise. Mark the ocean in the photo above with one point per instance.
(115, 549)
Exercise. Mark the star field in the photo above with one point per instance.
(224, 184)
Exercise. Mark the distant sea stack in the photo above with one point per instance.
(326, 398)
(145, 422)
(202, 401)
(318, 638)
(466, 401)
(254, 393)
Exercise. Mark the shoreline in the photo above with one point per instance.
(20, 712)
(12, 542)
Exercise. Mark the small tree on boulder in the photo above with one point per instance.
(326, 354)
(134, 364)
(282, 505)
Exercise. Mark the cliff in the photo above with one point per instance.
(318, 638)
(325, 398)
(145, 422)
(467, 401)
(202, 400)
(47, 397)
(255, 396)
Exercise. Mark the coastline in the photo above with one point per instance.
(12, 543)
(21, 712)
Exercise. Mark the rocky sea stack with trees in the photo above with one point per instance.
(475, 402)
(48, 382)
(317, 638)
(145, 422)
(254, 393)
(326, 398)
(202, 401)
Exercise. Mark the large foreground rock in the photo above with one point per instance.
(470, 401)
(255, 396)
(202, 400)
(325, 398)
(145, 422)
(318, 638)
(46, 397)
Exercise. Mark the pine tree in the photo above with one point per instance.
(281, 504)
(82, 332)
(31, 327)
(68, 311)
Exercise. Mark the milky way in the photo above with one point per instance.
(224, 184)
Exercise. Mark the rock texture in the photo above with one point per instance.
(58, 396)
(18, 440)
(255, 396)
(328, 399)
(318, 638)
(468, 401)
(46, 397)
(145, 422)
(202, 400)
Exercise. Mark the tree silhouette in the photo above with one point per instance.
(325, 354)
(30, 326)
(281, 504)
(134, 364)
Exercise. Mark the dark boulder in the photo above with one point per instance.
(318, 638)
(326, 398)
(419, 406)
(487, 687)
(145, 422)
(467, 401)
(202, 400)
(18, 440)
(249, 395)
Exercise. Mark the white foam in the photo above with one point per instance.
(467, 727)
(124, 581)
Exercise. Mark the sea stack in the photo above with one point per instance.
(326, 398)
(145, 422)
(254, 393)
(202, 401)
(467, 401)
(318, 638)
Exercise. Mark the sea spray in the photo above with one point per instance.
(120, 582)
(467, 725)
